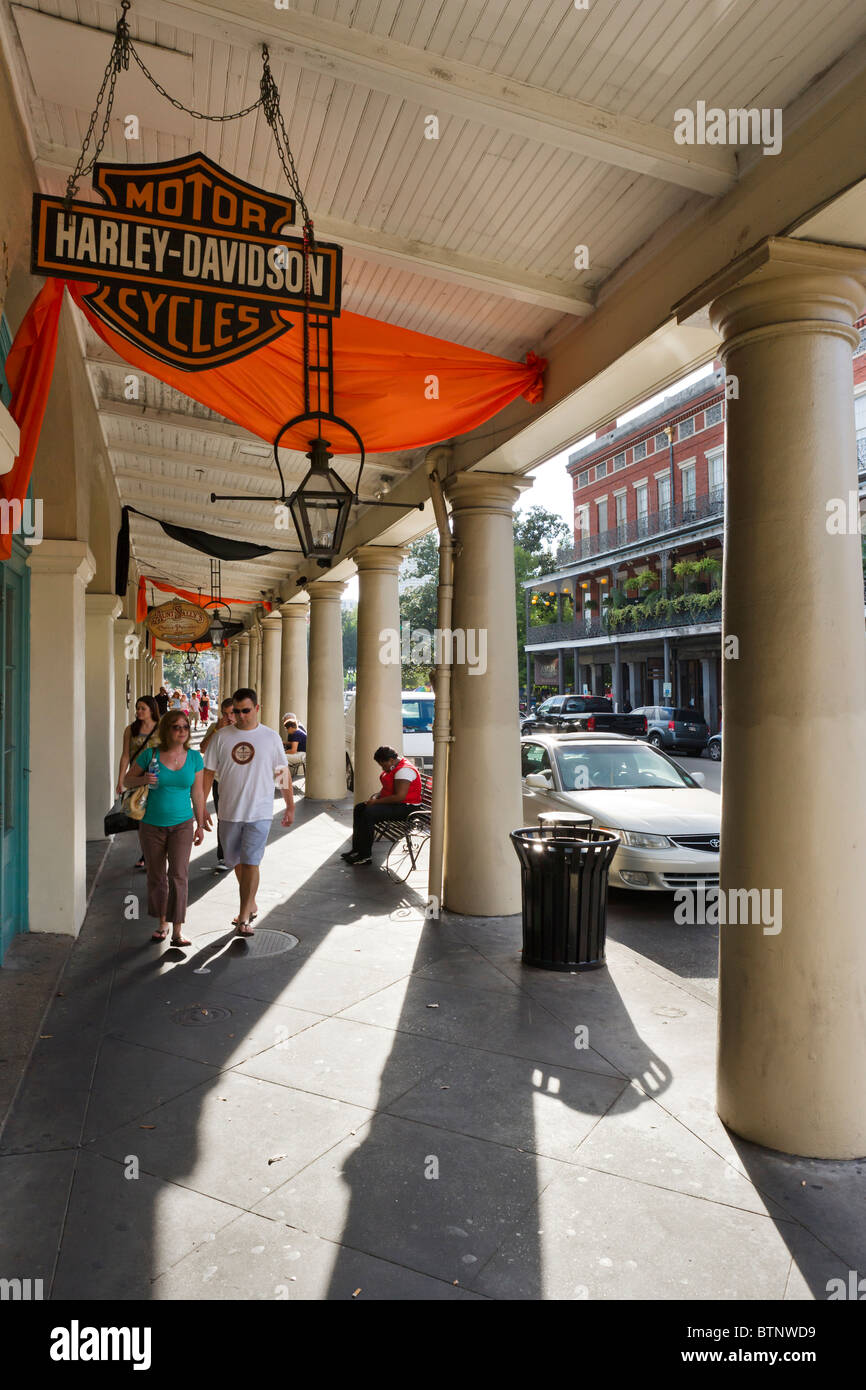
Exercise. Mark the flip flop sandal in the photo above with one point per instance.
(159, 935)
(244, 929)
(180, 941)
(236, 921)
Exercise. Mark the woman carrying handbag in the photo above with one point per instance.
(172, 774)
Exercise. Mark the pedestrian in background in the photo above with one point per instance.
(141, 733)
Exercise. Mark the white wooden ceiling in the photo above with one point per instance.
(555, 130)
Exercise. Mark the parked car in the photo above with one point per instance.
(593, 713)
(714, 747)
(669, 825)
(418, 711)
(670, 727)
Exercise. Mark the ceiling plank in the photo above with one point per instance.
(339, 52)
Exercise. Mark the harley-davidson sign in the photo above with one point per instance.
(179, 621)
(191, 264)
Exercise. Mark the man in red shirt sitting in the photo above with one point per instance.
(400, 794)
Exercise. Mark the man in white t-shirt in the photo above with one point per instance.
(249, 760)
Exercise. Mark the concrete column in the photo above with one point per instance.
(272, 634)
(617, 677)
(560, 667)
(378, 713)
(243, 676)
(255, 659)
(792, 1040)
(234, 667)
(326, 728)
(633, 684)
(481, 869)
(60, 572)
(100, 708)
(122, 631)
(158, 675)
(293, 664)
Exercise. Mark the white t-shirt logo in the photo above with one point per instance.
(243, 753)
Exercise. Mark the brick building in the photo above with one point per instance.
(634, 606)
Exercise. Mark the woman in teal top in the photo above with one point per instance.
(174, 773)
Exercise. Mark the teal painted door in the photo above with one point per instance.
(14, 742)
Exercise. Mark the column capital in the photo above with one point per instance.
(327, 589)
(485, 492)
(102, 605)
(292, 609)
(243, 637)
(123, 628)
(384, 558)
(272, 622)
(63, 557)
(784, 286)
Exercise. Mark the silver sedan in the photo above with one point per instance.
(668, 824)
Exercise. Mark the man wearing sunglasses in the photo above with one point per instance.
(248, 758)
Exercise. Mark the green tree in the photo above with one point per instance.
(419, 582)
(540, 533)
(350, 641)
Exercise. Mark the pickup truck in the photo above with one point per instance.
(576, 713)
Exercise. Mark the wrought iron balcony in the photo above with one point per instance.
(582, 631)
(704, 508)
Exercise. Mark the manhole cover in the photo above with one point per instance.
(268, 943)
(200, 1015)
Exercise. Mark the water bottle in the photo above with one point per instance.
(154, 764)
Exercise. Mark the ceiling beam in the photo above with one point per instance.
(239, 466)
(437, 84)
(172, 419)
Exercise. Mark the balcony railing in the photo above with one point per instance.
(711, 504)
(583, 631)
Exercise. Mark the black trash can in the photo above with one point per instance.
(564, 881)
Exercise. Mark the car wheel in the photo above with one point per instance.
(715, 751)
(655, 740)
(350, 775)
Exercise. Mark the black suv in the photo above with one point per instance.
(670, 727)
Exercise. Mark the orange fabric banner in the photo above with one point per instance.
(398, 388)
(188, 594)
(29, 369)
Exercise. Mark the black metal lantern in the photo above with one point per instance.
(321, 505)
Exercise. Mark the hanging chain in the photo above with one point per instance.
(119, 58)
(268, 100)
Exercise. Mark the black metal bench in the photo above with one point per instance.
(409, 837)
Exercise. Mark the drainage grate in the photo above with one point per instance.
(200, 1015)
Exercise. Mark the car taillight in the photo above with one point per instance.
(645, 724)
(590, 723)
(671, 725)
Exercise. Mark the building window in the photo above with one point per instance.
(687, 427)
(861, 347)
(716, 473)
(621, 511)
(860, 415)
(664, 486)
(581, 522)
(618, 462)
(713, 414)
(583, 478)
(688, 485)
(601, 471)
(641, 498)
(661, 441)
(602, 516)
(640, 451)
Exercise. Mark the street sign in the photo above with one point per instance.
(178, 621)
(667, 690)
(188, 262)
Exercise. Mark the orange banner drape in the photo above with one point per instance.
(29, 369)
(141, 600)
(400, 389)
